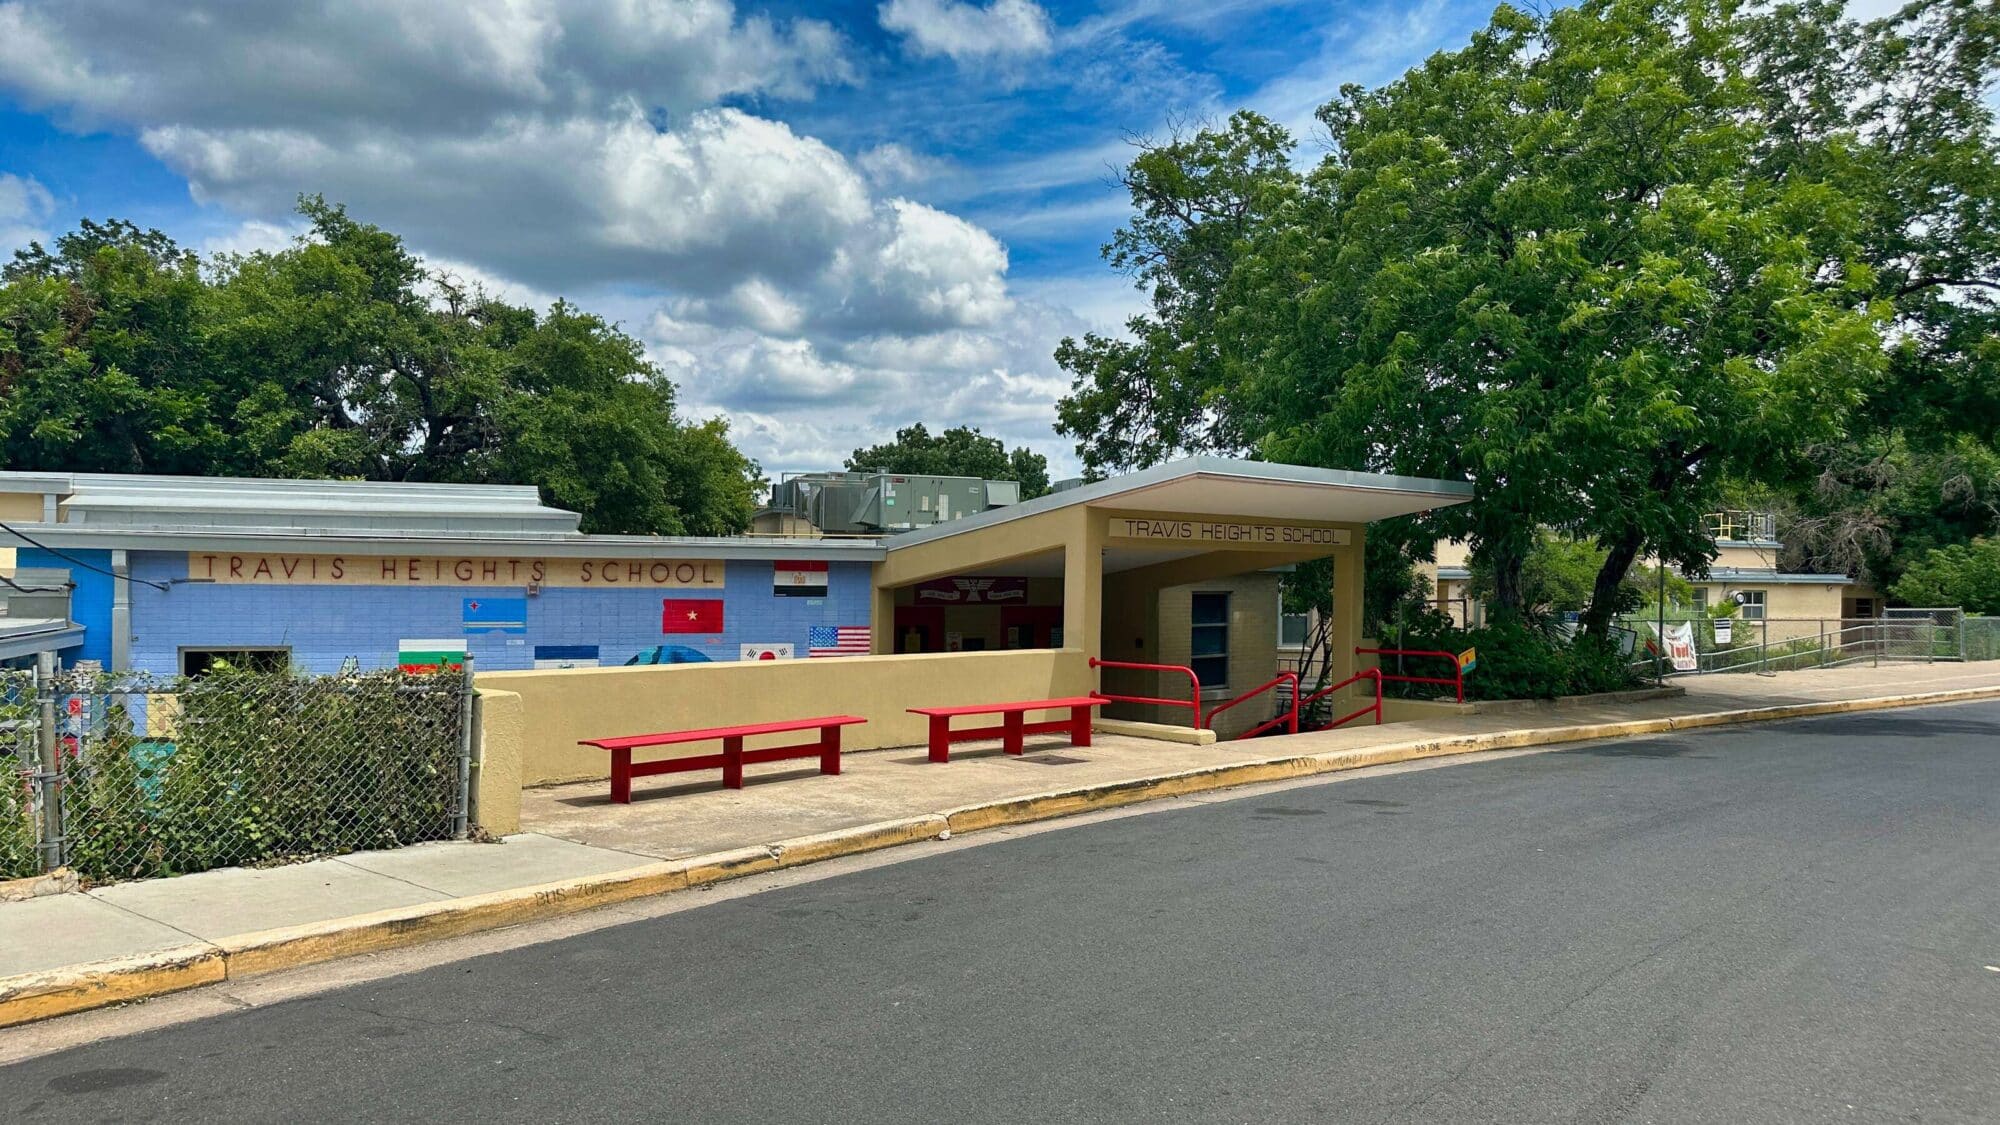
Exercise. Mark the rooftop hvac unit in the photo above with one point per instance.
(852, 503)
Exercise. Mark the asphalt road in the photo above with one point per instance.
(1787, 922)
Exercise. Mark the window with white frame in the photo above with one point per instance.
(1293, 628)
(1701, 598)
(1208, 638)
(1752, 603)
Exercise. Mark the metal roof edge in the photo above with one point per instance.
(1186, 469)
(1774, 578)
(82, 537)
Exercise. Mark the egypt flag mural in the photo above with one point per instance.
(792, 579)
(691, 615)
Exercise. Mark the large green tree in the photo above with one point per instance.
(960, 451)
(343, 355)
(1592, 262)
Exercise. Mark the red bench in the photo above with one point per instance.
(1014, 725)
(733, 757)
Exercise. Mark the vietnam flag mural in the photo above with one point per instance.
(691, 615)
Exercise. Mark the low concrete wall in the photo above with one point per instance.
(556, 708)
(496, 780)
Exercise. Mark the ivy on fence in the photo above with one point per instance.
(166, 776)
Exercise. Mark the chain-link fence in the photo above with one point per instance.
(165, 775)
(1788, 644)
(20, 839)
(1982, 638)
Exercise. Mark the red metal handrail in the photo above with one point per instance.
(1289, 720)
(1457, 679)
(1365, 674)
(1193, 702)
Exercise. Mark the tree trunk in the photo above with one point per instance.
(1508, 567)
(1604, 592)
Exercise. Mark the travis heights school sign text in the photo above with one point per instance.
(1220, 533)
(430, 570)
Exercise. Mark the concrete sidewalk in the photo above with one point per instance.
(71, 951)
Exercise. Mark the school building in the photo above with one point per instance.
(1772, 603)
(586, 635)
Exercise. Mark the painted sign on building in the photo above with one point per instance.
(837, 640)
(972, 591)
(691, 615)
(494, 615)
(764, 652)
(1222, 533)
(798, 579)
(420, 655)
(444, 570)
(566, 656)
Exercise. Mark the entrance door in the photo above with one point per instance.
(919, 628)
(1030, 626)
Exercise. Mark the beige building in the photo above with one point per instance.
(1772, 604)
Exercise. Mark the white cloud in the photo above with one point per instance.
(967, 32)
(895, 165)
(438, 66)
(250, 237)
(25, 209)
(797, 404)
(535, 147)
(749, 220)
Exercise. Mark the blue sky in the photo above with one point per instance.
(825, 220)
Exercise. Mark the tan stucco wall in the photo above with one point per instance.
(560, 707)
(498, 725)
(20, 507)
(1253, 647)
(1745, 556)
(1791, 610)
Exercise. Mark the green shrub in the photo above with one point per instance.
(1516, 661)
(257, 767)
(1966, 575)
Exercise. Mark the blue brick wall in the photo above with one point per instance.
(324, 625)
(89, 603)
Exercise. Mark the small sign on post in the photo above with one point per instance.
(1468, 660)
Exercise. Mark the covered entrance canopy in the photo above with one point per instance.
(1113, 542)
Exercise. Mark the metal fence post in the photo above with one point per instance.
(461, 825)
(48, 775)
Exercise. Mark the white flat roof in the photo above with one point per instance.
(1225, 487)
(114, 500)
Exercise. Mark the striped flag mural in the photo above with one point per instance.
(843, 640)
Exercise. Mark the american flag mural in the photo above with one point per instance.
(842, 640)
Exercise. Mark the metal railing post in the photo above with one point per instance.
(48, 774)
(461, 824)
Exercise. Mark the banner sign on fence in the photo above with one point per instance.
(1680, 647)
(1724, 630)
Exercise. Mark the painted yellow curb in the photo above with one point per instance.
(292, 946)
(33, 996)
(854, 841)
(75, 988)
